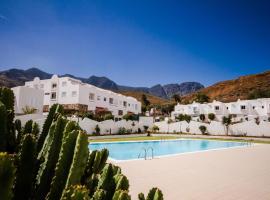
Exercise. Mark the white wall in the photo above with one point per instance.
(109, 126)
(250, 128)
(25, 96)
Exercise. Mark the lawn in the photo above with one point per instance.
(169, 137)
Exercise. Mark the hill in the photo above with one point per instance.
(240, 88)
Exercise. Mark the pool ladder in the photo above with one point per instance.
(145, 151)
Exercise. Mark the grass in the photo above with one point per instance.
(169, 137)
(140, 138)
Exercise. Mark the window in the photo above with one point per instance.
(47, 93)
(64, 94)
(216, 107)
(125, 103)
(111, 100)
(253, 107)
(91, 96)
(227, 108)
(262, 107)
(74, 93)
(53, 95)
(120, 112)
(243, 107)
(64, 83)
(54, 85)
(105, 99)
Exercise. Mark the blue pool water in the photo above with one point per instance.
(131, 150)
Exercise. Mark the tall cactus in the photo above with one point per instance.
(18, 128)
(7, 176)
(79, 161)
(63, 166)
(3, 127)
(56, 108)
(35, 129)
(76, 192)
(7, 98)
(50, 155)
(25, 169)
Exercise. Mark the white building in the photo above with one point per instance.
(75, 95)
(26, 97)
(240, 109)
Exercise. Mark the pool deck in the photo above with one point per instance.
(236, 173)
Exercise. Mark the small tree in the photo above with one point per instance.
(203, 129)
(202, 117)
(226, 121)
(201, 98)
(187, 118)
(176, 98)
(97, 130)
(180, 117)
(211, 116)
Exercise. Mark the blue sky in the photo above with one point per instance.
(139, 42)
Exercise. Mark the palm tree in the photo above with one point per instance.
(227, 121)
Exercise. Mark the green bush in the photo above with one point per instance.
(211, 116)
(122, 131)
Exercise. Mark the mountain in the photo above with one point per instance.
(15, 77)
(239, 88)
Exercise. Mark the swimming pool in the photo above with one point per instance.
(132, 149)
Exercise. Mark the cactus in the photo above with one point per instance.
(7, 98)
(155, 194)
(7, 176)
(56, 108)
(63, 166)
(3, 127)
(121, 195)
(79, 160)
(27, 129)
(76, 192)
(50, 155)
(99, 195)
(106, 181)
(25, 169)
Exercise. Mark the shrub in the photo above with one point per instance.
(122, 130)
(131, 116)
(29, 110)
(211, 116)
(155, 128)
(203, 130)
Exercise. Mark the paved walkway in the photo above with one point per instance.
(239, 173)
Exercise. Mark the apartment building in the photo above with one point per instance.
(240, 108)
(76, 95)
